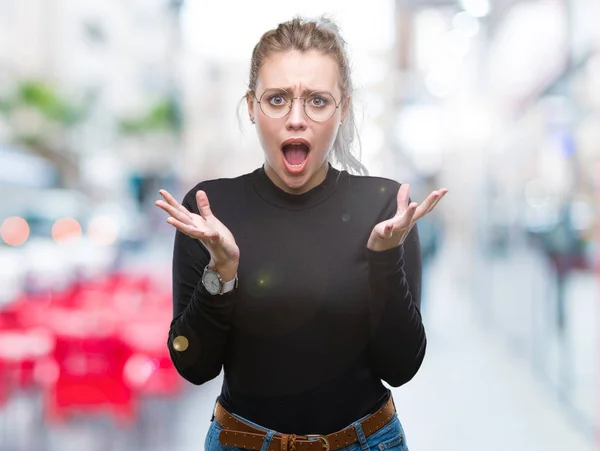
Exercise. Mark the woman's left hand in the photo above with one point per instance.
(392, 232)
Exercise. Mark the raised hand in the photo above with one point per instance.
(392, 232)
(204, 227)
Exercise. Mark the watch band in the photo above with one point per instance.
(229, 286)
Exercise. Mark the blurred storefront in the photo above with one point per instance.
(501, 103)
(541, 186)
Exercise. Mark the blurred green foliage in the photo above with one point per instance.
(49, 102)
(4, 106)
(58, 114)
(163, 115)
(46, 99)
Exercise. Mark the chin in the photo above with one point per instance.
(295, 182)
(294, 179)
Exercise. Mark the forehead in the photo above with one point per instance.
(309, 70)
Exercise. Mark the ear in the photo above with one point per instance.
(345, 107)
(250, 103)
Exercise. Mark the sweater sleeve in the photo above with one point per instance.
(398, 341)
(201, 321)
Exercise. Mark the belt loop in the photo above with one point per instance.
(267, 441)
(284, 442)
(361, 436)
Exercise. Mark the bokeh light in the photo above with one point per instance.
(103, 231)
(66, 229)
(14, 231)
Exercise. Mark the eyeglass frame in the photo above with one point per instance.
(337, 105)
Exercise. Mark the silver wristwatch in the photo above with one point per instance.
(214, 284)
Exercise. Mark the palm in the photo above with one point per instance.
(205, 226)
(217, 234)
(393, 231)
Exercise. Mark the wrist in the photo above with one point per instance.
(384, 247)
(378, 245)
(227, 271)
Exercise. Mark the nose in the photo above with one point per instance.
(296, 119)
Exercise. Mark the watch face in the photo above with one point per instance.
(211, 282)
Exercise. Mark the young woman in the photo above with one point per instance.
(300, 280)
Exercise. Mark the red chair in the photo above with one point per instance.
(3, 370)
(90, 360)
(150, 370)
(107, 347)
(20, 350)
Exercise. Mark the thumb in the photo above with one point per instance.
(203, 204)
(388, 230)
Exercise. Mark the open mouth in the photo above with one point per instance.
(295, 154)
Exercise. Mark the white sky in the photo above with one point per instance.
(230, 28)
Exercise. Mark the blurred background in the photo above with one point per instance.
(103, 102)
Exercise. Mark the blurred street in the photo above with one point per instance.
(104, 102)
(474, 391)
(471, 394)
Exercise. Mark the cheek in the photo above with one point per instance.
(328, 133)
(267, 135)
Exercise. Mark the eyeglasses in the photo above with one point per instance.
(277, 103)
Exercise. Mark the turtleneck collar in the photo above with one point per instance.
(274, 195)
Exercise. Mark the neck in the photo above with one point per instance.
(315, 180)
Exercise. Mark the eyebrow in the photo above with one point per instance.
(304, 91)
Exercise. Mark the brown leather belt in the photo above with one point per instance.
(242, 435)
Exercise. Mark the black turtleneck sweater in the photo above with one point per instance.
(318, 320)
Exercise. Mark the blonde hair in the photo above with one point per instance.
(323, 35)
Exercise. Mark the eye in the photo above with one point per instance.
(318, 101)
(277, 100)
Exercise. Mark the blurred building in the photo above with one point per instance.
(499, 101)
(219, 139)
(117, 63)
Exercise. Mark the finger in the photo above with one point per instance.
(203, 204)
(409, 215)
(425, 207)
(398, 224)
(402, 198)
(406, 227)
(388, 230)
(192, 231)
(429, 204)
(442, 194)
(174, 212)
(173, 202)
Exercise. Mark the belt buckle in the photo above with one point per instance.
(321, 438)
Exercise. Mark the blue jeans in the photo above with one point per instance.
(389, 437)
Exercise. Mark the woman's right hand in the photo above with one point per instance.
(205, 227)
